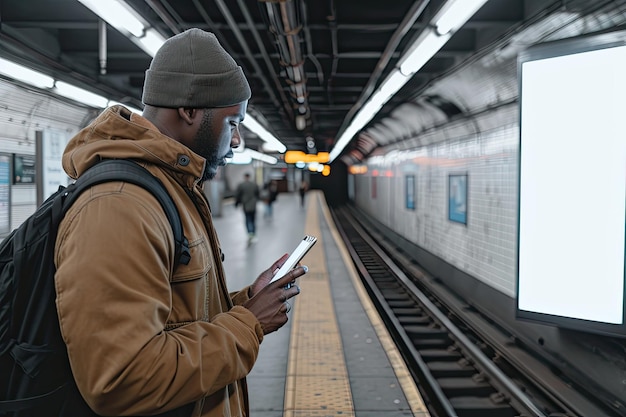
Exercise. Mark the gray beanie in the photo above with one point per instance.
(192, 69)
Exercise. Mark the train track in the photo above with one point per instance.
(465, 370)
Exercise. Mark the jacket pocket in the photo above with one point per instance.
(200, 264)
(189, 285)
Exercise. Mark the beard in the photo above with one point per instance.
(206, 146)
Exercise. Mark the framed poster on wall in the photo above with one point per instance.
(409, 192)
(457, 198)
(24, 171)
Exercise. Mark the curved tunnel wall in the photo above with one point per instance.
(475, 254)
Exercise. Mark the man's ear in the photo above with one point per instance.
(188, 114)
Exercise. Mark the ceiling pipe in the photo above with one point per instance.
(265, 55)
(284, 21)
(213, 26)
(407, 23)
(332, 24)
(310, 55)
(165, 16)
(242, 41)
(102, 46)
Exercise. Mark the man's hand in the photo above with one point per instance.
(266, 276)
(268, 302)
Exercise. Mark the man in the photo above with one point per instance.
(304, 186)
(271, 190)
(142, 337)
(247, 194)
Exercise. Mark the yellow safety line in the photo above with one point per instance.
(400, 368)
(317, 378)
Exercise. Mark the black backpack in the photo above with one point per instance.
(34, 368)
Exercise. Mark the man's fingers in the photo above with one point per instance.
(291, 275)
(276, 266)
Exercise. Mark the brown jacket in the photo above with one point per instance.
(141, 339)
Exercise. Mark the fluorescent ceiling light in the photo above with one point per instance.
(387, 89)
(452, 16)
(37, 79)
(455, 13)
(80, 95)
(316, 167)
(117, 14)
(265, 147)
(151, 42)
(394, 82)
(123, 18)
(21, 73)
(246, 156)
(266, 136)
(240, 158)
(261, 156)
(424, 48)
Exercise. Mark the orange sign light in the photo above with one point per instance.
(357, 169)
(291, 157)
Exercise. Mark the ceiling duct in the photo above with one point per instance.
(284, 20)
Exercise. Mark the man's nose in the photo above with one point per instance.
(236, 139)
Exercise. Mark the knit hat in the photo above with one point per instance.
(192, 69)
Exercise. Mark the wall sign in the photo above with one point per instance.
(409, 192)
(457, 198)
(24, 170)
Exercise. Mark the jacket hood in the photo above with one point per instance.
(117, 133)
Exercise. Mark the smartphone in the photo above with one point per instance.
(296, 256)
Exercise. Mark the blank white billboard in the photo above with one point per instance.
(573, 186)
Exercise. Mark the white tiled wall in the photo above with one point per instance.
(24, 112)
(485, 248)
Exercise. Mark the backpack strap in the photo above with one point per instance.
(129, 171)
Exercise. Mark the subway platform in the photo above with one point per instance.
(334, 357)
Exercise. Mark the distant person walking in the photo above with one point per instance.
(269, 193)
(247, 195)
(303, 189)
